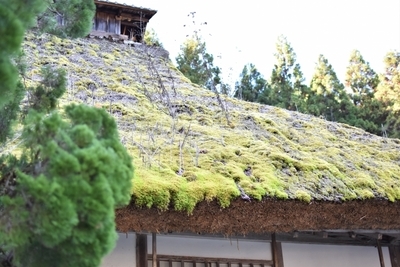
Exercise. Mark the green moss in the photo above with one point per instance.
(391, 192)
(108, 58)
(117, 52)
(235, 171)
(290, 155)
(95, 47)
(92, 52)
(55, 40)
(203, 120)
(187, 197)
(148, 191)
(303, 196)
(281, 194)
(190, 176)
(363, 181)
(281, 157)
(364, 193)
(274, 187)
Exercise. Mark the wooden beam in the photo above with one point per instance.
(335, 237)
(394, 252)
(381, 260)
(273, 248)
(131, 18)
(277, 255)
(141, 250)
(280, 253)
(154, 249)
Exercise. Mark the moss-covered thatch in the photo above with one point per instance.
(184, 149)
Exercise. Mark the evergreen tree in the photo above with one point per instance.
(72, 18)
(151, 38)
(301, 91)
(388, 92)
(57, 198)
(286, 89)
(73, 173)
(362, 80)
(196, 64)
(15, 17)
(251, 84)
(328, 97)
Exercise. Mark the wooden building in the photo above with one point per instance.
(260, 233)
(121, 21)
(276, 188)
(349, 217)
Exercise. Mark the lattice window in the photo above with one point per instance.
(185, 261)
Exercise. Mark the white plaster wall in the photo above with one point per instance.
(124, 254)
(310, 255)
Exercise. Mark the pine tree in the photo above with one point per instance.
(362, 80)
(197, 64)
(301, 91)
(251, 84)
(388, 92)
(286, 89)
(72, 175)
(328, 97)
(68, 18)
(57, 197)
(15, 17)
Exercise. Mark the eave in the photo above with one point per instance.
(352, 222)
(125, 8)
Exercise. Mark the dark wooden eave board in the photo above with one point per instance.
(342, 237)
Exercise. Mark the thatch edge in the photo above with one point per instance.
(268, 215)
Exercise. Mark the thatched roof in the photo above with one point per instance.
(123, 6)
(192, 155)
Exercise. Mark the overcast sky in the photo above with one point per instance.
(240, 32)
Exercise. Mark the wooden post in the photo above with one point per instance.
(381, 260)
(154, 250)
(277, 255)
(394, 252)
(141, 250)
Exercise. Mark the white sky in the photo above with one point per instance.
(240, 32)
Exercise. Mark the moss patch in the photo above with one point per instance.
(186, 153)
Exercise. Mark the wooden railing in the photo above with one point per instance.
(207, 261)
